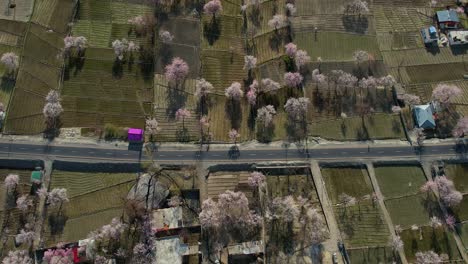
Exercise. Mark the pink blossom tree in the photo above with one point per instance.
(17, 257)
(11, 182)
(182, 114)
(250, 62)
(301, 59)
(234, 92)
(357, 7)
(345, 81)
(450, 221)
(228, 216)
(23, 203)
(213, 8)
(59, 255)
(177, 71)
(290, 49)
(25, 237)
(152, 127)
(397, 243)
(277, 21)
(166, 36)
(409, 99)
(448, 194)
(290, 9)
(109, 232)
(52, 108)
(396, 109)
(205, 129)
(268, 85)
(444, 94)
(174, 201)
(282, 209)
(461, 129)
(233, 136)
(57, 197)
(297, 108)
(202, 89)
(360, 56)
(293, 79)
(427, 257)
(10, 60)
(265, 115)
(256, 179)
(252, 95)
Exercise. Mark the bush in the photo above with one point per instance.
(113, 132)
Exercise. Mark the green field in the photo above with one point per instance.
(396, 181)
(377, 126)
(463, 232)
(410, 210)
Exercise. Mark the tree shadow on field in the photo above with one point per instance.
(7, 84)
(276, 40)
(175, 100)
(355, 24)
(165, 53)
(255, 16)
(233, 110)
(57, 223)
(212, 30)
(183, 135)
(117, 68)
(146, 63)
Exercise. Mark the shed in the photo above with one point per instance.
(36, 176)
(448, 19)
(424, 116)
(135, 134)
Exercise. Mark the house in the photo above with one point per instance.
(458, 37)
(448, 19)
(424, 116)
(430, 36)
(135, 134)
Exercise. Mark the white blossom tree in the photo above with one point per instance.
(265, 115)
(277, 21)
(10, 60)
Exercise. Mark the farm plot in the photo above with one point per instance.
(39, 72)
(336, 46)
(82, 214)
(362, 223)
(400, 18)
(427, 238)
(371, 255)
(167, 100)
(463, 232)
(102, 90)
(22, 11)
(412, 211)
(295, 182)
(458, 174)
(396, 181)
(101, 22)
(10, 217)
(376, 126)
(53, 14)
(221, 181)
(289, 236)
(186, 45)
(258, 16)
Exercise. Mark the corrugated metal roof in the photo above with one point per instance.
(447, 16)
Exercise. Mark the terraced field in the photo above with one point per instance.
(361, 224)
(82, 214)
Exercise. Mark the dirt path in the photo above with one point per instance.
(386, 215)
(330, 245)
(41, 213)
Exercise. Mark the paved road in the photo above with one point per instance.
(338, 153)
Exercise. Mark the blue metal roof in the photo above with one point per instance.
(447, 16)
(432, 30)
(423, 115)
